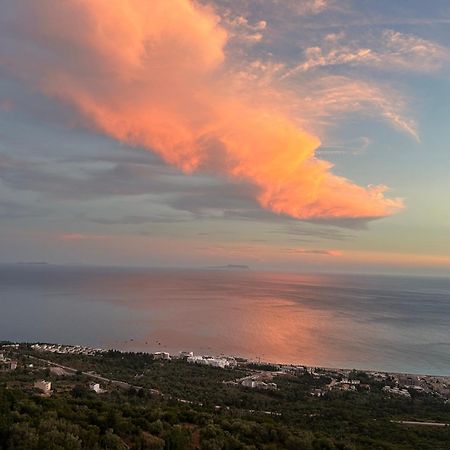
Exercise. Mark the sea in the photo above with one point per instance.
(385, 323)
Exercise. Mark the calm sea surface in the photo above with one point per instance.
(385, 323)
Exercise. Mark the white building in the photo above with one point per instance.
(195, 359)
(209, 361)
(43, 386)
(258, 384)
(317, 393)
(231, 361)
(396, 391)
(248, 382)
(185, 355)
(161, 355)
(217, 362)
(96, 388)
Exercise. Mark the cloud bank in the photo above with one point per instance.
(154, 75)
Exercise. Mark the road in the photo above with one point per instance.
(427, 424)
(119, 383)
(125, 385)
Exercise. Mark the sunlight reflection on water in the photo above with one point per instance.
(389, 323)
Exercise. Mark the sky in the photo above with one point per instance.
(306, 135)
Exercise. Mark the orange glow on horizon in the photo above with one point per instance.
(397, 259)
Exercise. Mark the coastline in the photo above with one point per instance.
(92, 351)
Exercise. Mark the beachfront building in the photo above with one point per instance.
(209, 361)
(195, 359)
(161, 355)
(67, 349)
(231, 361)
(217, 362)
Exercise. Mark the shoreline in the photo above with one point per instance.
(246, 360)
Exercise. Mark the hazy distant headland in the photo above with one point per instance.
(231, 267)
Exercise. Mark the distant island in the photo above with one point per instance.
(32, 263)
(231, 267)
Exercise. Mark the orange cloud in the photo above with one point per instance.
(306, 251)
(154, 75)
(396, 259)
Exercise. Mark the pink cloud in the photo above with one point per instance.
(6, 105)
(391, 49)
(306, 251)
(154, 75)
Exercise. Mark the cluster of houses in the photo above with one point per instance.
(346, 385)
(10, 346)
(396, 391)
(400, 385)
(343, 384)
(438, 386)
(69, 349)
(394, 384)
(45, 387)
(7, 363)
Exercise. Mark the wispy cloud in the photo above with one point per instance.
(316, 102)
(309, 233)
(337, 95)
(389, 51)
(139, 220)
(309, 251)
(302, 7)
(239, 28)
